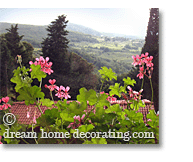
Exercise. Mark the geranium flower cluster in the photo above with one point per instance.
(109, 98)
(142, 61)
(45, 65)
(134, 94)
(52, 86)
(0, 140)
(77, 122)
(61, 92)
(5, 105)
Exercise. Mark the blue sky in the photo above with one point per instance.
(129, 21)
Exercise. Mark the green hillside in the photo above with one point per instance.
(113, 52)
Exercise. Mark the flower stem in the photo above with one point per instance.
(40, 87)
(52, 96)
(33, 132)
(101, 86)
(41, 83)
(37, 103)
(151, 92)
(142, 82)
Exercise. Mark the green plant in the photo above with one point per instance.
(89, 120)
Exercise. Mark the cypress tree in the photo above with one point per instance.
(13, 41)
(56, 44)
(152, 47)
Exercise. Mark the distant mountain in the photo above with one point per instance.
(82, 29)
(34, 34)
(39, 32)
(86, 30)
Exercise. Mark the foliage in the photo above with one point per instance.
(93, 48)
(11, 47)
(152, 46)
(56, 44)
(69, 68)
(76, 123)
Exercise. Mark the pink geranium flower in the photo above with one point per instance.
(144, 60)
(52, 86)
(62, 92)
(45, 65)
(6, 105)
(66, 95)
(140, 75)
(0, 140)
(77, 122)
(134, 94)
(146, 55)
(109, 98)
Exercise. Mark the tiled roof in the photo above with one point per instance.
(19, 109)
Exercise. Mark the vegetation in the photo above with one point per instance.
(68, 67)
(98, 49)
(73, 122)
(11, 47)
(75, 66)
(152, 46)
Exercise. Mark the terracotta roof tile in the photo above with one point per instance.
(20, 110)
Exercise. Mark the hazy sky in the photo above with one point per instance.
(112, 20)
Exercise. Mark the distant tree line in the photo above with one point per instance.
(11, 46)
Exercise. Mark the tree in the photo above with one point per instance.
(27, 55)
(152, 47)
(56, 44)
(13, 41)
(69, 68)
(5, 68)
(11, 46)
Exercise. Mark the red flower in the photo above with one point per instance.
(140, 75)
(62, 92)
(134, 94)
(144, 60)
(0, 140)
(66, 95)
(45, 65)
(52, 86)
(6, 105)
(76, 124)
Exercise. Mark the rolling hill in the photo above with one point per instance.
(113, 52)
(35, 34)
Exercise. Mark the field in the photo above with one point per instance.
(114, 54)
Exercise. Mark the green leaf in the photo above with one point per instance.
(141, 104)
(116, 90)
(18, 78)
(107, 74)
(30, 94)
(85, 96)
(128, 81)
(113, 109)
(102, 100)
(61, 104)
(155, 119)
(66, 117)
(134, 116)
(37, 73)
(47, 102)
(85, 128)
